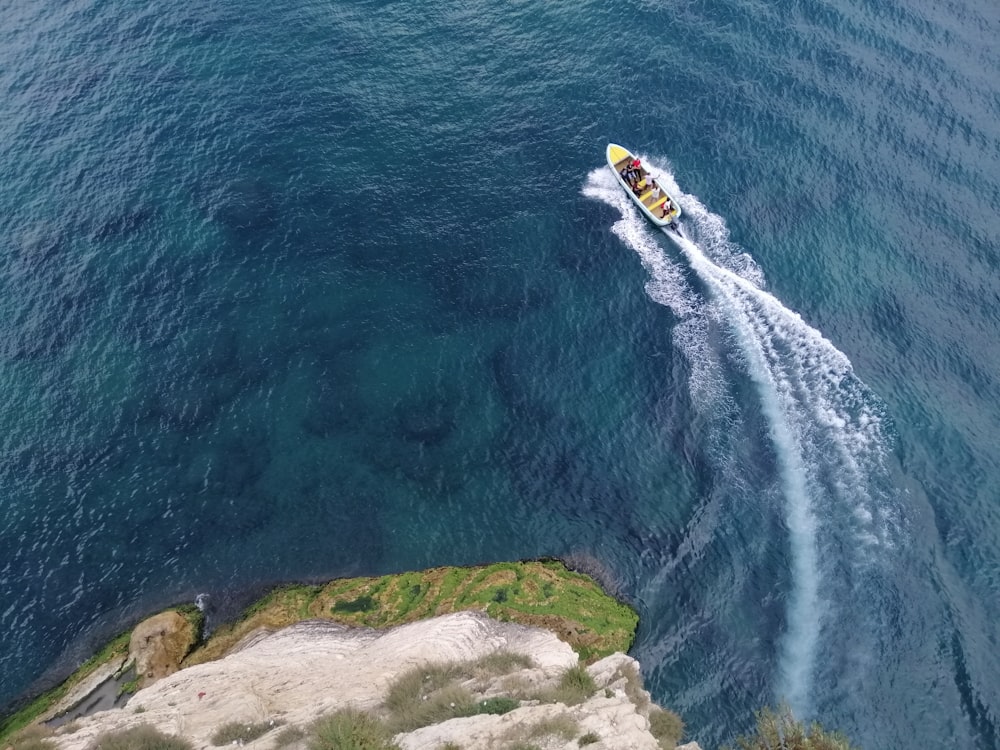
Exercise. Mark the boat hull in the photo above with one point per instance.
(653, 208)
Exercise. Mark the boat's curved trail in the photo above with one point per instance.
(825, 428)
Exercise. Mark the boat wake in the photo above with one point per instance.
(826, 430)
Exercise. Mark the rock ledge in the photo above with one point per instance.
(297, 674)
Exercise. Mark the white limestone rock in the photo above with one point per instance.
(295, 675)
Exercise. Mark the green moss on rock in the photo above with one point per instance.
(541, 593)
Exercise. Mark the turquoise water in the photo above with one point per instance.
(296, 290)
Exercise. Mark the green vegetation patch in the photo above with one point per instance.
(196, 617)
(128, 688)
(498, 705)
(361, 604)
(542, 593)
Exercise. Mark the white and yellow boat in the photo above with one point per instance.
(651, 198)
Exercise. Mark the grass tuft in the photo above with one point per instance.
(412, 687)
(563, 726)
(666, 727)
(434, 707)
(575, 686)
(588, 739)
(432, 693)
(350, 729)
(142, 737)
(497, 664)
(241, 732)
(288, 736)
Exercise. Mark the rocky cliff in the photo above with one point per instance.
(461, 680)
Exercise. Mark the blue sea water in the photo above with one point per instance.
(299, 289)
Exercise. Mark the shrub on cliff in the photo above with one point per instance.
(426, 695)
(241, 732)
(666, 726)
(350, 729)
(780, 729)
(142, 737)
(575, 686)
(434, 693)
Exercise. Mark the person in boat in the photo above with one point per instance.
(636, 172)
(667, 208)
(636, 182)
(654, 186)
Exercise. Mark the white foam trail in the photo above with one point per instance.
(825, 434)
(666, 285)
(736, 297)
(712, 230)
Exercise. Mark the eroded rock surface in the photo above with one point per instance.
(159, 644)
(295, 675)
